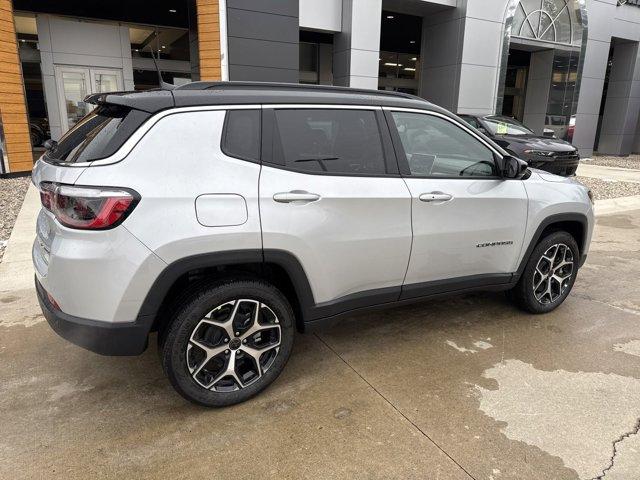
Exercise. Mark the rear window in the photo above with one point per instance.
(98, 135)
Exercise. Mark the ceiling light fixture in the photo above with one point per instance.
(412, 41)
(409, 69)
(172, 10)
(414, 59)
(390, 17)
(393, 64)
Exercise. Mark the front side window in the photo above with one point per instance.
(470, 120)
(436, 147)
(329, 141)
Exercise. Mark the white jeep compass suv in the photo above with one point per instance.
(226, 215)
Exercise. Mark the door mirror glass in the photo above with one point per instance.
(513, 167)
(50, 144)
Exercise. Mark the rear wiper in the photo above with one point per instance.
(320, 161)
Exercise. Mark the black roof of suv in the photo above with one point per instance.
(243, 93)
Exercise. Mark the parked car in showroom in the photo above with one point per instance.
(224, 216)
(543, 152)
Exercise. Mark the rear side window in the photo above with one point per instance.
(97, 135)
(241, 135)
(329, 141)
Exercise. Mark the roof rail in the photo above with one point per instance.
(278, 85)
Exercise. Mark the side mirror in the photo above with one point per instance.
(483, 131)
(513, 167)
(50, 144)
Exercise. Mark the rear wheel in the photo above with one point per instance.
(549, 274)
(228, 342)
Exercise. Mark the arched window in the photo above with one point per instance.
(546, 21)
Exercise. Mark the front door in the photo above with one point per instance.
(75, 83)
(468, 222)
(330, 196)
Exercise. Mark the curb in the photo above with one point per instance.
(611, 206)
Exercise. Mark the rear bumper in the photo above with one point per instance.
(122, 338)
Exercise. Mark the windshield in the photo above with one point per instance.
(505, 126)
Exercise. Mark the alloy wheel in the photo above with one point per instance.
(553, 273)
(234, 345)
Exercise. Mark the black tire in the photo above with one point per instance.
(176, 343)
(523, 293)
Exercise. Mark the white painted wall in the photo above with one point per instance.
(321, 15)
(66, 41)
(356, 49)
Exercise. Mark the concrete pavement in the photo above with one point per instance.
(608, 173)
(467, 387)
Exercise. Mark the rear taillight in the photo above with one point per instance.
(87, 208)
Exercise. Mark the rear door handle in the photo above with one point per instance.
(435, 197)
(296, 196)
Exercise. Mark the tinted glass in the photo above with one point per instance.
(332, 141)
(241, 137)
(436, 147)
(95, 136)
(470, 120)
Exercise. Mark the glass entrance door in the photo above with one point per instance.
(75, 83)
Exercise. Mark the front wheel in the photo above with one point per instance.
(549, 274)
(228, 342)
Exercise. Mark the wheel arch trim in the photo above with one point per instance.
(548, 222)
(289, 263)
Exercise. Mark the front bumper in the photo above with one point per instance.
(105, 338)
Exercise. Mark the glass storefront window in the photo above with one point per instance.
(308, 57)
(398, 71)
(547, 20)
(548, 25)
(167, 43)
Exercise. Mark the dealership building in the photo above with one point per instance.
(567, 67)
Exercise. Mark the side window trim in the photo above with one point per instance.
(269, 135)
(401, 155)
(223, 136)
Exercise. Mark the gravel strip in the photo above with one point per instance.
(12, 192)
(610, 189)
(632, 161)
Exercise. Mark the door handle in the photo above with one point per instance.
(435, 197)
(296, 196)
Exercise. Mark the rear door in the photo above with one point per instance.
(331, 195)
(468, 222)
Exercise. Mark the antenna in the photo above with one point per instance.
(163, 85)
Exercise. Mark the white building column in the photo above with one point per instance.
(461, 54)
(356, 49)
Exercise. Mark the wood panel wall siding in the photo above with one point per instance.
(13, 109)
(209, 39)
